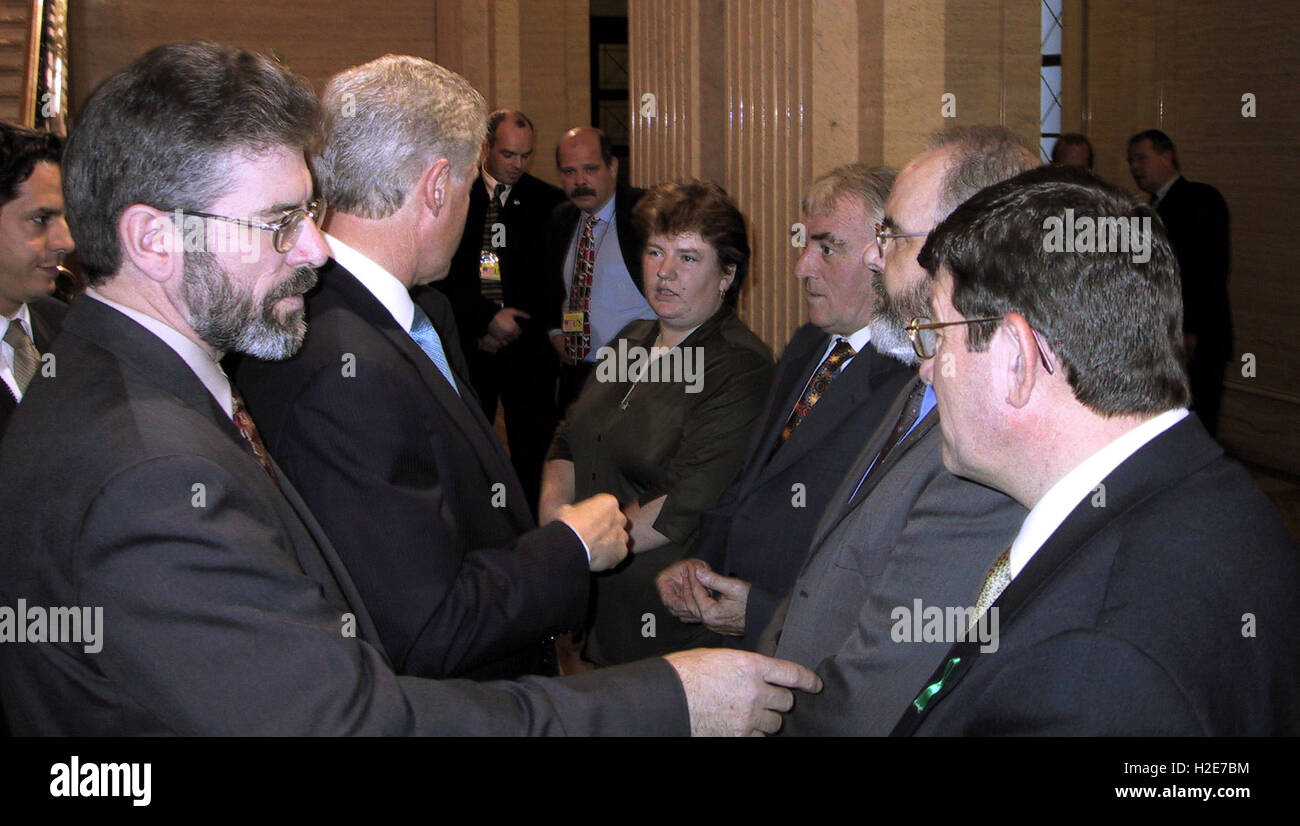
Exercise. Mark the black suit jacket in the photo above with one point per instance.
(564, 225)
(225, 610)
(525, 277)
(47, 317)
(1196, 218)
(763, 523)
(1169, 610)
(414, 490)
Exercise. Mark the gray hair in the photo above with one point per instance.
(385, 121)
(982, 156)
(871, 185)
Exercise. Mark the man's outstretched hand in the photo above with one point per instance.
(734, 693)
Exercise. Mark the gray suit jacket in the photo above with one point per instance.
(225, 609)
(913, 532)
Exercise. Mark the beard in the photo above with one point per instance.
(227, 319)
(893, 314)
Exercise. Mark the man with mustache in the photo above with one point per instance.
(594, 257)
(900, 529)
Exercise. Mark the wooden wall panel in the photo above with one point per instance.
(315, 39)
(1183, 67)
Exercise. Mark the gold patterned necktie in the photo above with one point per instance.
(995, 582)
(26, 356)
(490, 278)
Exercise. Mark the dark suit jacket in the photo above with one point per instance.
(1196, 219)
(414, 490)
(1171, 610)
(525, 277)
(564, 225)
(760, 529)
(47, 317)
(225, 610)
(912, 532)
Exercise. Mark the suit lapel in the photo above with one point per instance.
(1171, 456)
(138, 350)
(465, 414)
(845, 499)
(847, 392)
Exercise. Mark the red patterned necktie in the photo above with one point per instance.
(248, 430)
(817, 385)
(578, 344)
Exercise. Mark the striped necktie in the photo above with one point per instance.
(491, 287)
(26, 356)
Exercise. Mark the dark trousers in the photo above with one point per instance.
(522, 378)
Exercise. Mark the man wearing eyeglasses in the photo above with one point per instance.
(1151, 590)
(902, 537)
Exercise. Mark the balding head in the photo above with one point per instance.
(588, 168)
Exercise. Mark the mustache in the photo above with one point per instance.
(302, 280)
(579, 191)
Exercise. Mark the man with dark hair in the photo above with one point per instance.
(1151, 589)
(831, 391)
(34, 238)
(1073, 149)
(501, 293)
(214, 604)
(901, 537)
(594, 258)
(1196, 219)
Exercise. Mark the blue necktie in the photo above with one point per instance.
(427, 337)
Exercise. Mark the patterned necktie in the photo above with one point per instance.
(906, 418)
(431, 343)
(578, 344)
(244, 423)
(491, 287)
(817, 385)
(26, 357)
(995, 582)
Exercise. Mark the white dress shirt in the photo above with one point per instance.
(382, 284)
(1071, 489)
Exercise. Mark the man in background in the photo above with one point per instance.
(501, 291)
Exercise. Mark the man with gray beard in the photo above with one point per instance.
(901, 535)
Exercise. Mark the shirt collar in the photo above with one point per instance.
(490, 184)
(1062, 498)
(858, 339)
(606, 213)
(25, 316)
(199, 360)
(382, 284)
